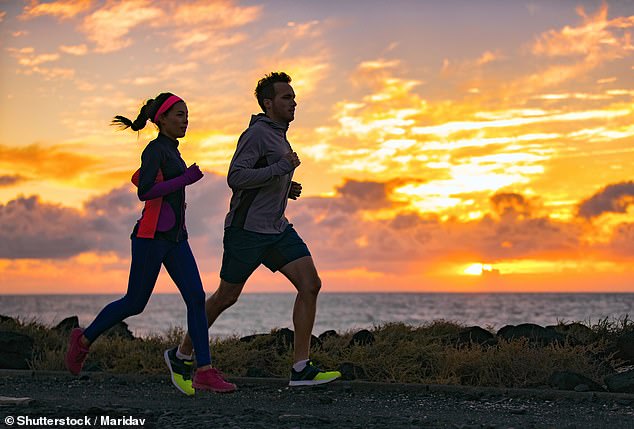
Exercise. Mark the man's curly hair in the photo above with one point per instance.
(266, 89)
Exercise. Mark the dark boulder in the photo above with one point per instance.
(625, 347)
(284, 337)
(475, 335)
(568, 380)
(285, 340)
(16, 350)
(282, 340)
(120, 330)
(328, 334)
(575, 333)
(67, 324)
(362, 338)
(350, 371)
(621, 383)
(533, 333)
(251, 338)
(7, 319)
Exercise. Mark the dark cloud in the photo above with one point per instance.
(110, 219)
(365, 195)
(337, 229)
(522, 237)
(510, 204)
(30, 228)
(207, 206)
(7, 180)
(613, 198)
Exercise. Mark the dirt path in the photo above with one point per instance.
(122, 401)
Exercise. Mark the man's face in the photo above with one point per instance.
(282, 108)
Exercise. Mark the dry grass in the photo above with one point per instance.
(399, 354)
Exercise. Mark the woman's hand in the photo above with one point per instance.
(193, 174)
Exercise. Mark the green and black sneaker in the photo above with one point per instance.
(181, 371)
(312, 376)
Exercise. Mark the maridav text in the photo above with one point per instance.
(121, 421)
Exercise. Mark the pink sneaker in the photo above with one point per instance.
(211, 379)
(76, 353)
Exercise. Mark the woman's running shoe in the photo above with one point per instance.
(211, 379)
(76, 353)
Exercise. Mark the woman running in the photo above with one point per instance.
(159, 238)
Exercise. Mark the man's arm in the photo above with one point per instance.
(242, 171)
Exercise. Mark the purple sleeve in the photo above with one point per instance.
(163, 188)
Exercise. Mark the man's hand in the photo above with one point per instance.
(293, 158)
(296, 190)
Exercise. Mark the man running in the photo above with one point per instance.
(257, 231)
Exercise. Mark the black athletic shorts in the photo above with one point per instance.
(244, 251)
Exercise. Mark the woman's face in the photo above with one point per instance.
(173, 123)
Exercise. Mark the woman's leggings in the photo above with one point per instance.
(147, 257)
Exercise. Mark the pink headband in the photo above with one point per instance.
(171, 100)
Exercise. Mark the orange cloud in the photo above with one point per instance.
(77, 50)
(27, 57)
(488, 57)
(218, 14)
(592, 38)
(593, 42)
(63, 9)
(109, 26)
(206, 28)
(31, 62)
(470, 67)
(52, 73)
(38, 59)
(45, 163)
(167, 74)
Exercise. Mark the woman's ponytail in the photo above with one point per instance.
(148, 111)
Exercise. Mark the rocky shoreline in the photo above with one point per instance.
(394, 376)
(120, 400)
(18, 350)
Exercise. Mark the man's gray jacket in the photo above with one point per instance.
(260, 178)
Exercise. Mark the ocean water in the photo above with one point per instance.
(259, 313)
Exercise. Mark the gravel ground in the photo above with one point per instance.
(268, 403)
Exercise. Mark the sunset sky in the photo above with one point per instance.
(454, 146)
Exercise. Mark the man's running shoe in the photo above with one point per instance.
(180, 371)
(311, 376)
(76, 353)
(211, 379)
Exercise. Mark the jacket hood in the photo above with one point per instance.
(261, 117)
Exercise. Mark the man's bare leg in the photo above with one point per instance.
(224, 297)
(303, 274)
